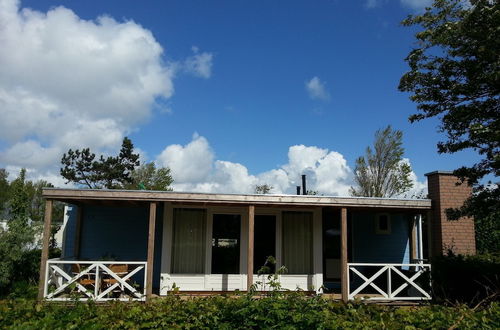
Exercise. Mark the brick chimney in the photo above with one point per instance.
(457, 235)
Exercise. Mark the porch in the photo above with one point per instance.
(211, 243)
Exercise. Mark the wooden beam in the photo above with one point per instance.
(413, 238)
(78, 231)
(151, 250)
(47, 225)
(258, 200)
(343, 255)
(251, 222)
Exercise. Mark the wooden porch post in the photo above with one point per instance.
(343, 255)
(413, 240)
(151, 249)
(47, 225)
(251, 222)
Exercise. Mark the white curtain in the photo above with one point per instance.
(297, 242)
(188, 248)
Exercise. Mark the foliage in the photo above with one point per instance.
(454, 76)
(290, 311)
(19, 236)
(465, 279)
(382, 172)
(110, 172)
(23, 211)
(4, 190)
(263, 189)
(148, 177)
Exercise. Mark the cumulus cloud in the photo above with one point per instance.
(190, 163)
(417, 4)
(66, 82)
(194, 168)
(199, 64)
(316, 89)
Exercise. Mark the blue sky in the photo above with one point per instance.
(236, 83)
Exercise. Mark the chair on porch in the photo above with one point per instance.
(120, 270)
(87, 279)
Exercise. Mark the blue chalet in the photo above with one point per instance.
(129, 245)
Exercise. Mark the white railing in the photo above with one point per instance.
(398, 278)
(94, 280)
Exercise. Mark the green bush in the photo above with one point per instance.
(25, 274)
(465, 279)
(289, 311)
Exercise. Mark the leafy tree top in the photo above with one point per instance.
(454, 75)
(110, 172)
(382, 171)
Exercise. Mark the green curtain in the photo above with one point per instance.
(297, 242)
(188, 248)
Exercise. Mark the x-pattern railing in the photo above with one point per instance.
(389, 269)
(94, 280)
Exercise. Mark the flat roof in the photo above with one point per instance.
(84, 195)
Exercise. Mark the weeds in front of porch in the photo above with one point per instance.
(293, 310)
(270, 280)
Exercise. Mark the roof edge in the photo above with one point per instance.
(159, 196)
(439, 173)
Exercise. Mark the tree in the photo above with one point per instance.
(4, 190)
(20, 234)
(111, 172)
(263, 189)
(454, 75)
(148, 177)
(382, 172)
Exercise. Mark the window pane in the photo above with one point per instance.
(264, 242)
(226, 244)
(383, 222)
(297, 242)
(188, 248)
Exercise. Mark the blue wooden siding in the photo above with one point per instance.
(371, 247)
(115, 233)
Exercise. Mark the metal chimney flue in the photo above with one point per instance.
(304, 190)
(298, 190)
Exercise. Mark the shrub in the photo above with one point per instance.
(290, 311)
(465, 279)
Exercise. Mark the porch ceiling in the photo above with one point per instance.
(138, 196)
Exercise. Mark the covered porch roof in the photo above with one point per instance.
(77, 196)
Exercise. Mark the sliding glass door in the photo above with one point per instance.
(226, 241)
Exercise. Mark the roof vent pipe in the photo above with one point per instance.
(298, 190)
(304, 190)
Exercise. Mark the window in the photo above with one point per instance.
(226, 244)
(188, 243)
(297, 242)
(264, 242)
(382, 224)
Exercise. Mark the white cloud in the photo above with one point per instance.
(199, 64)
(417, 4)
(316, 89)
(195, 169)
(69, 82)
(191, 163)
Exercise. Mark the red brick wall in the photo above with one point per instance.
(457, 235)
